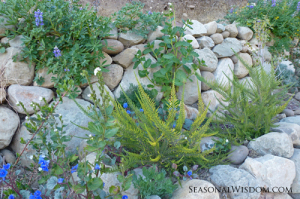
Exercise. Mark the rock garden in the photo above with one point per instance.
(143, 105)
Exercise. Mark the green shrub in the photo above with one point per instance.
(252, 104)
(149, 139)
(283, 15)
(154, 183)
(75, 31)
(133, 94)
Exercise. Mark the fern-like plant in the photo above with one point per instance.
(149, 139)
(253, 104)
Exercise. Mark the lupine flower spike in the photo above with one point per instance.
(56, 52)
(38, 18)
(273, 3)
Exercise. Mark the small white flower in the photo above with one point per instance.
(169, 4)
(90, 135)
(40, 98)
(150, 8)
(170, 9)
(55, 130)
(89, 95)
(26, 118)
(59, 115)
(31, 157)
(226, 140)
(97, 70)
(162, 12)
(40, 168)
(18, 103)
(185, 138)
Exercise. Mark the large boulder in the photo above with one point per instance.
(15, 72)
(211, 27)
(279, 144)
(238, 154)
(155, 34)
(112, 46)
(244, 33)
(198, 29)
(272, 171)
(227, 176)
(205, 41)
(211, 61)
(9, 122)
(194, 42)
(294, 120)
(232, 29)
(296, 159)
(129, 39)
(291, 129)
(48, 83)
(114, 76)
(125, 58)
(194, 189)
(17, 42)
(225, 68)
(212, 99)
(27, 95)
(240, 69)
(217, 38)
(220, 28)
(227, 48)
(131, 76)
(208, 76)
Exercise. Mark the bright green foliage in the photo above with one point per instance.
(174, 57)
(76, 32)
(154, 183)
(150, 139)
(284, 17)
(132, 18)
(132, 93)
(252, 104)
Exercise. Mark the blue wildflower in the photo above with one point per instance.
(38, 18)
(231, 10)
(37, 193)
(3, 173)
(60, 180)
(128, 111)
(298, 6)
(74, 168)
(174, 125)
(56, 52)
(6, 166)
(44, 164)
(124, 197)
(251, 6)
(141, 110)
(66, 70)
(125, 105)
(80, 8)
(189, 173)
(150, 13)
(97, 167)
(31, 196)
(11, 196)
(103, 184)
(273, 3)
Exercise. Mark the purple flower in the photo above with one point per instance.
(273, 3)
(74, 168)
(103, 184)
(128, 111)
(66, 70)
(38, 18)
(80, 8)
(60, 180)
(251, 6)
(231, 10)
(150, 13)
(258, 20)
(56, 52)
(298, 6)
(6, 166)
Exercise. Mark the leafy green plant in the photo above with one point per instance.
(58, 35)
(154, 183)
(132, 93)
(253, 104)
(283, 15)
(174, 57)
(131, 18)
(149, 139)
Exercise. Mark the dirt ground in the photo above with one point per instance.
(201, 10)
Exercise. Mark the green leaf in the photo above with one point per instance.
(181, 43)
(127, 184)
(114, 189)
(148, 50)
(147, 63)
(94, 184)
(109, 109)
(117, 144)
(78, 188)
(51, 183)
(73, 158)
(111, 132)
(143, 73)
(2, 50)
(95, 129)
(120, 178)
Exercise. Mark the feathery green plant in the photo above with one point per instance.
(150, 139)
(252, 104)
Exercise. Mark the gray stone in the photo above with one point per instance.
(232, 29)
(17, 42)
(190, 112)
(225, 68)
(194, 42)
(112, 46)
(130, 78)
(297, 96)
(265, 195)
(27, 95)
(225, 34)
(154, 197)
(296, 112)
(289, 66)
(87, 93)
(129, 39)
(279, 144)
(114, 76)
(240, 69)
(211, 61)
(125, 58)
(217, 38)
(205, 42)
(113, 33)
(9, 122)
(212, 99)
(227, 176)
(208, 143)
(184, 191)
(288, 112)
(155, 34)
(244, 33)
(47, 78)
(2, 95)
(271, 171)
(198, 29)
(15, 72)
(227, 48)
(93, 79)
(220, 28)
(211, 27)
(296, 159)
(208, 76)
(106, 58)
(294, 119)
(4, 27)
(294, 195)
(247, 82)
(238, 154)
(9, 156)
